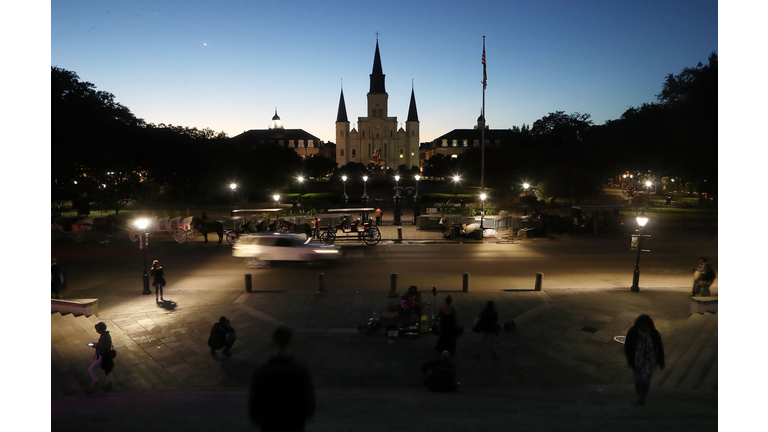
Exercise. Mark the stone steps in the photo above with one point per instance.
(70, 358)
(691, 355)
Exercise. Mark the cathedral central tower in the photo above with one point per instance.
(377, 138)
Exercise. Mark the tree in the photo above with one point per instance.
(318, 166)
(569, 183)
(561, 128)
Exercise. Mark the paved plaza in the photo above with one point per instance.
(561, 368)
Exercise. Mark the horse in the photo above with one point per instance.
(209, 226)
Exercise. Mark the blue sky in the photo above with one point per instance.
(226, 65)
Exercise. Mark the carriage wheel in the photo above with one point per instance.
(180, 236)
(192, 234)
(232, 237)
(328, 237)
(372, 236)
(133, 235)
(78, 235)
(282, 227)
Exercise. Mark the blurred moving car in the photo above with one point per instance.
(284, 247)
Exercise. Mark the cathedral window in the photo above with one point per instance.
(341, 152)
(455, 143)
(310, 143)
(445, 143)
(401, 153)
(301, 143)
(377, 135)
(390, 134)
(363, 134)
(353, 153)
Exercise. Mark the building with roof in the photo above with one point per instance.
(303, 142)
(377, 139)
(458, 141)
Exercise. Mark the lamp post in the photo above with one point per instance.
(141, 224)
(482, 212)
(365, 191)
(641, 220)
(648, 185)
(416, 199)
(397, 198)
(233, 189)
(277, 199)
(346, 198)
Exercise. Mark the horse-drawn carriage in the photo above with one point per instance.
(179, 228)
(78, 230)
(362, 228)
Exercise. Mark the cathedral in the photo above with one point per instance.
(377, 138)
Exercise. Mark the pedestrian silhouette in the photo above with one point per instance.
(282, 396)
(222, 336)
(644, 352)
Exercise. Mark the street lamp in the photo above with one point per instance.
(365, 190)
(641, 220)
(277, 199)
(346, 198)
(416, 200)
(141, 224)
(233, 189)
(300, 178)
(482, 212)
(648, 185)
(397, 198)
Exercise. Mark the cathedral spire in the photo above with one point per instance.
(342, 115)
(377, 75)
(413, 115)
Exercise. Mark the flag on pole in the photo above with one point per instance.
(485, 76)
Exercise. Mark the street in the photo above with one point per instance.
(584, 262)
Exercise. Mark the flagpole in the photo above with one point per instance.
(482, 143)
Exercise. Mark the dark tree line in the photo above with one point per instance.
(570, 156)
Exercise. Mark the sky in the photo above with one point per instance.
(227, 65)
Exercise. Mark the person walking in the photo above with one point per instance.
(442, 223)
(222, 336)
(644, 352)
(488, 327)
(159, 279)
(282, 396)
(449, 329)
(378, 214)
(55, 277)
(104, 359)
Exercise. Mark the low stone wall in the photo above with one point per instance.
(76, 307)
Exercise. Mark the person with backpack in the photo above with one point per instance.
(644, 352)
(440, 375)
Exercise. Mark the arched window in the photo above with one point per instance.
(290, 144)
(353, 153)
(301, 143)
(464, 143)
(445, 143)
(341, 152)
(455, 143)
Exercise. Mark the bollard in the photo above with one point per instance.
(399, 234)
(465, 283)
(320, 286)
(538, 281)
(248, 286)
(393, 283)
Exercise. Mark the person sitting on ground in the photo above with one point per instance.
(440, 375)
(222, 336)
(412, 300)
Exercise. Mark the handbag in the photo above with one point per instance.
(476, 326)
(230, 337)
(162, 280)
